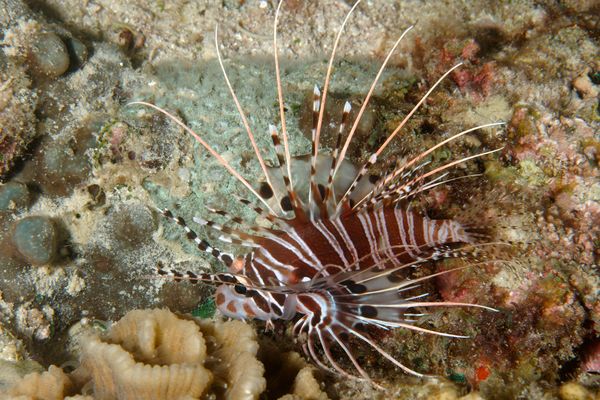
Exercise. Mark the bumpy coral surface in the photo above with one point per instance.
(156, 355)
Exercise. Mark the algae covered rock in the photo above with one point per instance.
(17, 118)
(49, 55)
(36, 239)
(14, 195)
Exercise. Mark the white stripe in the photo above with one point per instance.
(347, 240)
(256, 273)
(410, 217)
(368, 229)
(271, 259)
(292, 233)
(400, 222)
(289, 247)
(280, 277)
(431, 225)
(443, 232)
(332, 240)
(280, 280)
(382, 228)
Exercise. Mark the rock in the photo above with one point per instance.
(584, 86)
(78, 52)
(64, 163)
(574, 391)
(49, 55)
(133, 224)
(14, 195)
(36, 239)
(17, 115)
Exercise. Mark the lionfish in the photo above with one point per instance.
(338, 254)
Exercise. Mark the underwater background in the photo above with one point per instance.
(82, 174)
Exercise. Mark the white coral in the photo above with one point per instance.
(154, 354)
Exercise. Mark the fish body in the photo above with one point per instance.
(388, 237)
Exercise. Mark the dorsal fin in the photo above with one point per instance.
(329, 192)
(292, 201)
(373, 158)
(242, 114)
(282, 110)
(400, 180)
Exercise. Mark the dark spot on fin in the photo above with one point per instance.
(192, 276)
(321, 190)
(227, 259)
(373, 178)
(395, 278)
(368, 311)
(177, 276)
(286, 204)
(353, 287)
(266, 192)
(240, 289)
(227, 278)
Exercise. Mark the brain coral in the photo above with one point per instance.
(155, 354)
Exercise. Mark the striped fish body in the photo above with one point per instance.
(387, 237)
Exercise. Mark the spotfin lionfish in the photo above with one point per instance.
(337, 256)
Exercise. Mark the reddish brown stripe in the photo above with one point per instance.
(419, 231)
(261, 302)
(347, 252)
(248, 310)
(320, 246)
(312, 305)
(220, 299)
(231, 307)
(357, 235)
(285, 256)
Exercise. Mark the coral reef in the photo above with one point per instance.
(153, 354)
(90, 171)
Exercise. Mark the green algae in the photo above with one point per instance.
(496, 171)
(530, 173)
(206, 309)
(457, 377)
(526, 124)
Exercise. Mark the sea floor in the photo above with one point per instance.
(83, 172)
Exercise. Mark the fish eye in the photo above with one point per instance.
(240, 289)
